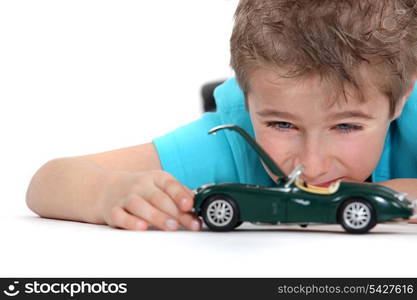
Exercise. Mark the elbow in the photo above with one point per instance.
(32, 199)
(33, 192)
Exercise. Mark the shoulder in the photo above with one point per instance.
(228, 96)
(230, 103)
(399, 156)
(195, 157)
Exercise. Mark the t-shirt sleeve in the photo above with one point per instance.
(195, 157)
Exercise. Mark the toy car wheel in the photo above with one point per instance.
(220, 213)
(357, 216)
(238, 224)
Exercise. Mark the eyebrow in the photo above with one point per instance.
(337, 116)
(350, 114)
(278, 114)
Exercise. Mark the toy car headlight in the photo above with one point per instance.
(413, 204)
(202, 187)
(401, 196)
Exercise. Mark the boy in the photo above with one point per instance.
(322, 83)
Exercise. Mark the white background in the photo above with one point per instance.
(79, 77)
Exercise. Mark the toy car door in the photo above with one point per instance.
(304, 206)
(262, 205)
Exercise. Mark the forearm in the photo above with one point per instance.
(68, 188)
(404, 185)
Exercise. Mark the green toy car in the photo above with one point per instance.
(358, 207)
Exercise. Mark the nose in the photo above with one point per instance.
(315, 158)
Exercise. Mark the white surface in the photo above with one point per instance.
(84, 76)
(39, 247)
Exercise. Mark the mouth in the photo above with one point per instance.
(325, 184)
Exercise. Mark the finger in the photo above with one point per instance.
(191, 222)
(144, 210)
(163, 202)
(412, 221)
(189, 191)
(119, 218)
(176, 191)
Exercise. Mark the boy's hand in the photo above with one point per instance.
(135, 200)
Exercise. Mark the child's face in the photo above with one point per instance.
(293, 122)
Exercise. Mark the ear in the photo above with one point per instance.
(403, 100)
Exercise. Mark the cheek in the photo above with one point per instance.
(278, 148)
(359, 155)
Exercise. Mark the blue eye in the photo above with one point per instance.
(279, 125)
(285, 126)
(346, 128)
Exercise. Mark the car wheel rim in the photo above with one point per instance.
(357, 215)
(220, 212)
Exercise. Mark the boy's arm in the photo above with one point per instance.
(131, 159)
(404, 185)
(110, 187)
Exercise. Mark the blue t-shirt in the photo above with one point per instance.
(194, 157)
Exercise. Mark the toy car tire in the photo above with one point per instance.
(220, 213)
(357, 216)
(238, 224)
